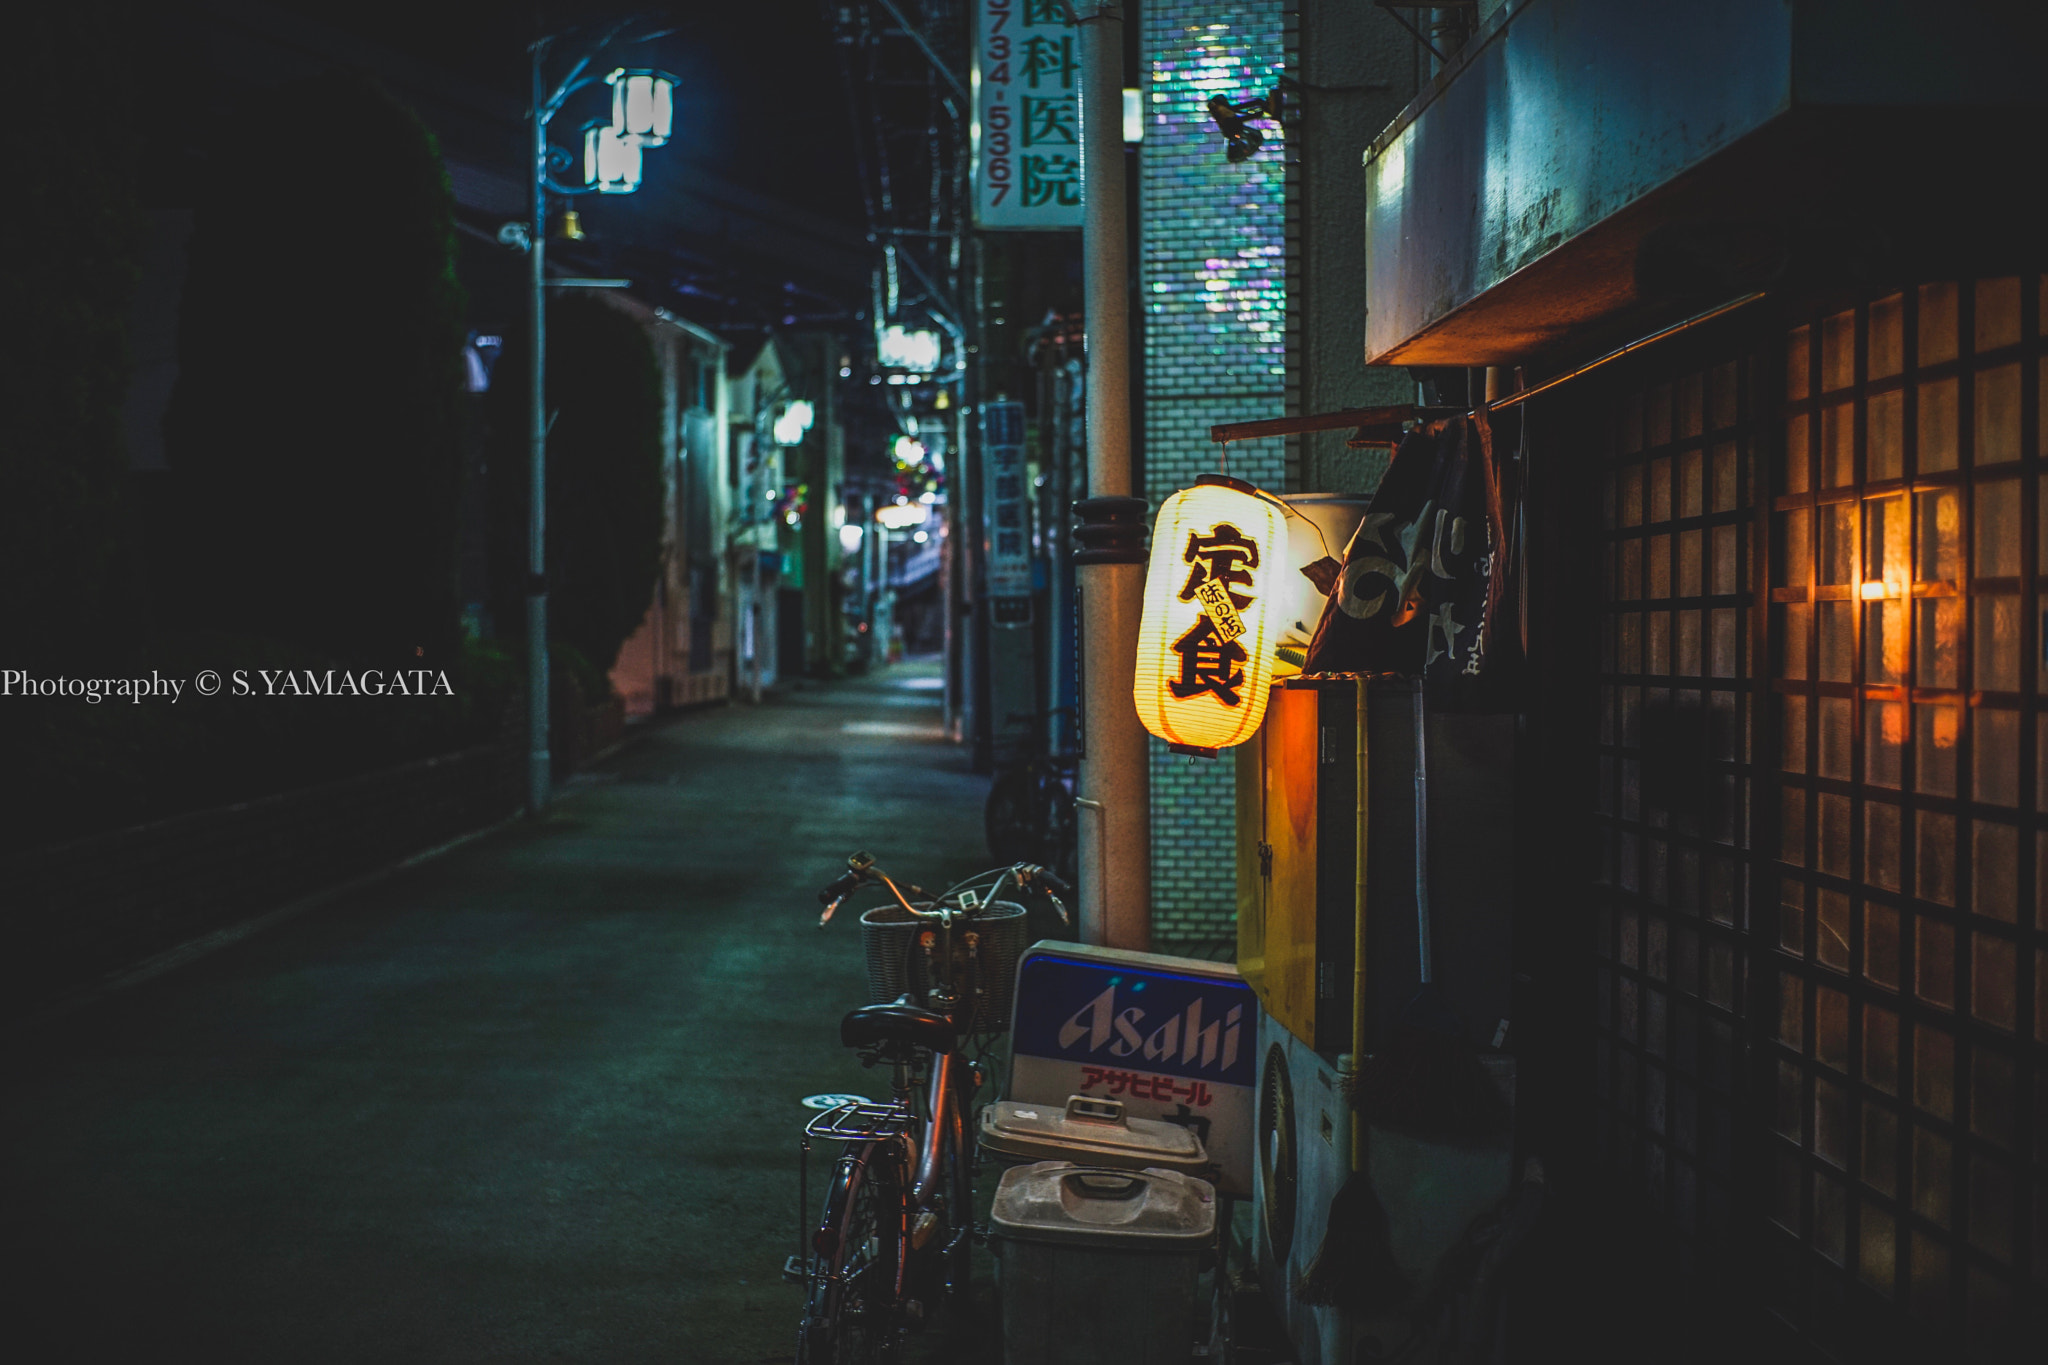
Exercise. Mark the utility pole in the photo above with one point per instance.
(611, 166)
(538, 772)
(1115, 804)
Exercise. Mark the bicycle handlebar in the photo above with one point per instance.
(1052, 880)
(840, 889)
(861, 871)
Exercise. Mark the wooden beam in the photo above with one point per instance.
(1381, 418)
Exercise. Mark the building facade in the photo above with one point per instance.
(1780, 999)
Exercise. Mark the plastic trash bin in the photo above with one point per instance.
(1089, 1131)
(1100, 1267)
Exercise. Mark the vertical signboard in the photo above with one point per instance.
(1027, 115)
(1006, 512)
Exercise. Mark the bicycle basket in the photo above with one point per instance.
(896, 965)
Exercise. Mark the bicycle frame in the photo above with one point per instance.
(896, 1151)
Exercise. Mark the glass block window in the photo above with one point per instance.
(1906, 951)
(1677, 705)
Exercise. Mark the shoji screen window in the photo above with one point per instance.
(1907, 573)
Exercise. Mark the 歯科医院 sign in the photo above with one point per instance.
(1027, 115)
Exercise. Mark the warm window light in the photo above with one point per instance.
(643, 105)
(1205, 642)
(898, 349)
(611, 165)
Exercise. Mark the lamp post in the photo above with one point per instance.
(642, 107)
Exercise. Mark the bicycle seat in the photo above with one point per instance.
(898, 1022)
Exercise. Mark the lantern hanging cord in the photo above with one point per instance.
(1289, 511)
(1224, 460)
(1299, 517)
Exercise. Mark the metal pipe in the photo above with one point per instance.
(538, 763)
(939, 1104)
(1638, 344)
(964, 491)
(1424, 954)
(1115, 907)
(912, 32)
(1359, 909)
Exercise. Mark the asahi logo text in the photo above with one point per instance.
(1102, 1023)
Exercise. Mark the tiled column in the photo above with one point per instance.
(1214, 322)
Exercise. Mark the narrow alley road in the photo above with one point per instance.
(533, 1100)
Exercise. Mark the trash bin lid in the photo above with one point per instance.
(1092, 1131)
(1058, 1201)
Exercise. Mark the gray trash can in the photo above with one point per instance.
(1088, 1130)
(1099, 1267)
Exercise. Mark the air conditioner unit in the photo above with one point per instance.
(1303, 1130)
(1431, 1192)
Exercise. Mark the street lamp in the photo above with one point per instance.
(642, 105)
(611, 164)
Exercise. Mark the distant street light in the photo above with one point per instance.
(901, 349)
(642, 105)
(795, 420)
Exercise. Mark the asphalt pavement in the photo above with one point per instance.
(534, 1099)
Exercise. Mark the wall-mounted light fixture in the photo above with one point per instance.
(1232, 119)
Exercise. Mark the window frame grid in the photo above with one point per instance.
(1964, 922)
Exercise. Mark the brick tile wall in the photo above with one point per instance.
(1215, 320)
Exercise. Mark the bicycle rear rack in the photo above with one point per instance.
(859, 1122)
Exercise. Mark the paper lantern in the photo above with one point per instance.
(1205, 646)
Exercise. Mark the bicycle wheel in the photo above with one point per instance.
(1010, 819)
(1059, 840)
(958, 1161)
(851, 1319)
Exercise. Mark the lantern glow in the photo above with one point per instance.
(643, 106)
(611, 165)
(1205, 646)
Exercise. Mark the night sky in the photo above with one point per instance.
(760, 101)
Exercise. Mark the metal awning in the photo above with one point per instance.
(1585, 170)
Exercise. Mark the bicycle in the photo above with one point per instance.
(895, 1234)
(1030, 809)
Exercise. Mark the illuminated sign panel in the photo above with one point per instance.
(1006, 505)
(1027, 115)
(899, 349)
